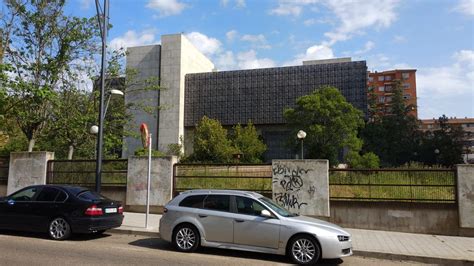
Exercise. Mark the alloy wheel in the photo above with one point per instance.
(303, 250)
(59, 229)
(185, 238)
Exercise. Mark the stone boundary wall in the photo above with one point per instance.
(465, 182)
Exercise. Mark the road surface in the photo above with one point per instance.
(117, 249)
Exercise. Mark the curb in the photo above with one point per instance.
(422, 259)
(360, 253)
(134, 232)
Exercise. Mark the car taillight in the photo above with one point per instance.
(94, 211)
(120, 209)
(165, 210)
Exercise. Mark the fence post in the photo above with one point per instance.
(465, 194)
(27, 168)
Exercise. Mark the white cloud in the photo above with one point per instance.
(224, 3)
(260, 38)
(249, 60)
(315, 52)
(166, 7)
(291, 7)
(465, 7)
(207, 45)
(448, 89)
(226, 61)
(354, 16)
(399, 39)
(132, 38)
(258, 41)
(240, 4)
(86, 4)
(367, 47)
(231, 35)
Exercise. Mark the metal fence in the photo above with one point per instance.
(413, 185)
(82, 172)
(4, 164)
(249, 177)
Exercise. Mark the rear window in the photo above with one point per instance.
(90, 195)
(47, 194)
(195, 201)
(217, 203)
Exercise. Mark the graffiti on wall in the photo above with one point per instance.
(289, 182)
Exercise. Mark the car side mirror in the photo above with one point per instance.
(266, 213)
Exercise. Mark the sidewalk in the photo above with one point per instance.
(424, 248)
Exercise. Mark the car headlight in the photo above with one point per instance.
(343, 238)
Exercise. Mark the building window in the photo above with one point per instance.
(406, 96)
(388, 99)
(381, 78)
(405, 75)
(388, 88)
(371, 79)
(387, 78)
(430, 126)
(406, 86)
(381, 88)
(381, 99)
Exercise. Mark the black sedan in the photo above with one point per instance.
(59, 210)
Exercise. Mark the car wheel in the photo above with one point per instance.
(186, 238)
(59, 229)
(304, 250)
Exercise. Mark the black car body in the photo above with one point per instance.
(59, 210)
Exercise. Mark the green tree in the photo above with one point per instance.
(331, 123)
(443, 146)
(368, 161)
(395, 136)
(247, 142)
(42, 47)
(211, 143)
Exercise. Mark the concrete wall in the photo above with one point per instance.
(161, 180)
(27, 168)
(3, 189)
(425, 218)
(465, 175)
(145, 61)
(302, 186)
(178, 58)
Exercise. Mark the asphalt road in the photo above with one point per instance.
(116, 249)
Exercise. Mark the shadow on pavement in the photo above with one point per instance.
(157, 243)
(74, 237)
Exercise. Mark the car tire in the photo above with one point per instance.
(304, 250)
(59, 229)
(186, 238)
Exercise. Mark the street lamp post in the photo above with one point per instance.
(301, 135)
(97, 129)
(436, 151)
(103, 19)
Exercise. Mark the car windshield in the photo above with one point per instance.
(276, 208)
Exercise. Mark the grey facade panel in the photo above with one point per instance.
(261, 95)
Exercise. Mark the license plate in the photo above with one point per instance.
(111, 210)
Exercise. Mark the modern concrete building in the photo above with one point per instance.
(193, 89)
(382, 83)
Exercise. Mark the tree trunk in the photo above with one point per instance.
(31, 144)
(70, 152)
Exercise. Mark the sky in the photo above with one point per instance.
(436, 37)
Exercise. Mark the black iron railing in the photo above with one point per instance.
(414, 185)
(249, 177)
(82, 172)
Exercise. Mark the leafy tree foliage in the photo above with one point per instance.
(247, 142)
(443, 146)
(42, 50)
(211, 143)
(368, 161)
(395, 136)
(331, 123)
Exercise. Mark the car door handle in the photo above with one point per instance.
(239, 221)
(202, 216)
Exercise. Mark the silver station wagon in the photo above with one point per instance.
(249, 221)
